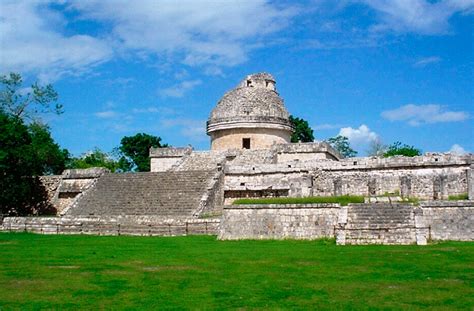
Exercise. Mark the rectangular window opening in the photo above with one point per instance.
(245, 143)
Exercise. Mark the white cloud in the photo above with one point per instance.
(422, 114)
(197, 32)
(34, 39)
(457, 149)
(426, 61)
(179, 89)
(107, 114)
(31, 41)
(418, 16)
(360, 137)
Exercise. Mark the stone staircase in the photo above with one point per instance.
(376, 223)
(200, 160)
(166, 194)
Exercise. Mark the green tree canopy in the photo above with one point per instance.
(38, 99)
(397, 148)
(21, 193)
(95, 158)
(341, 144)
(136, 149)
(50, 156)
(303, 132)
(26, 150)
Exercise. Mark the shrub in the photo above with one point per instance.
(456, 197)
(343, 200)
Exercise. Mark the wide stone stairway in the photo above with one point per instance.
(168, 194)
(380, 223)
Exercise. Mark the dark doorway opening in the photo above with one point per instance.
(246, 143)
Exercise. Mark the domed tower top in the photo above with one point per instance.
(253, 111)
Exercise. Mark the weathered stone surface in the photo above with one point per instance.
(254, 111)
(304, 221)
(161, 194)
(374, 223)
(112, 225)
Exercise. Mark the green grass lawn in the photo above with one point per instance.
(93, 272)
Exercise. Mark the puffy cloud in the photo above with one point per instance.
(31, 42)
(360, 137)
(418, 16)
(457, 149)
(422, 114)
(199, 32)
(35, 36)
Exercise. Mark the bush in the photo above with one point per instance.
(456, 197)
(343, 200)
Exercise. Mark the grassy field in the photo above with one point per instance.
(93, 272)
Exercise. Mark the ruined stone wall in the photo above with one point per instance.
(51, 184)
(303, 221)
(163, 159)
(374, 223)
(305, 152)
(429, 177)
(422, 183)
(129, 225)
(260, 138)
(448, 220)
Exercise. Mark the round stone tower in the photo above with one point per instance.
(251, 116)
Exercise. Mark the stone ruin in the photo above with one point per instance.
(191, 192)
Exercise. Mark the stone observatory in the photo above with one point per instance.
(251, 116)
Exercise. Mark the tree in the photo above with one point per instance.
(21, 193)
(376, 148)
(303, 132)
(26, 150)
(48, 153)
(135, 150)
(341, 144)
(96, 158)
(397, 148)
(27, 105)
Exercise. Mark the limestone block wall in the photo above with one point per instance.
(374, 223)
(428, 177)
(305, 152)
(260, 138)
(74, 183)
(303, 221)
(293, 183)
(51, 184)
(448, 220)
(423, 183)
(163, 159)
(127, 225)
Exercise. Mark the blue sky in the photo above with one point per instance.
(399, 70)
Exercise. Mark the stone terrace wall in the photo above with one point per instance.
(144, 226)
(299, 221)
(427, 177)
(375, 223)
(51, 184)
(448, 220)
